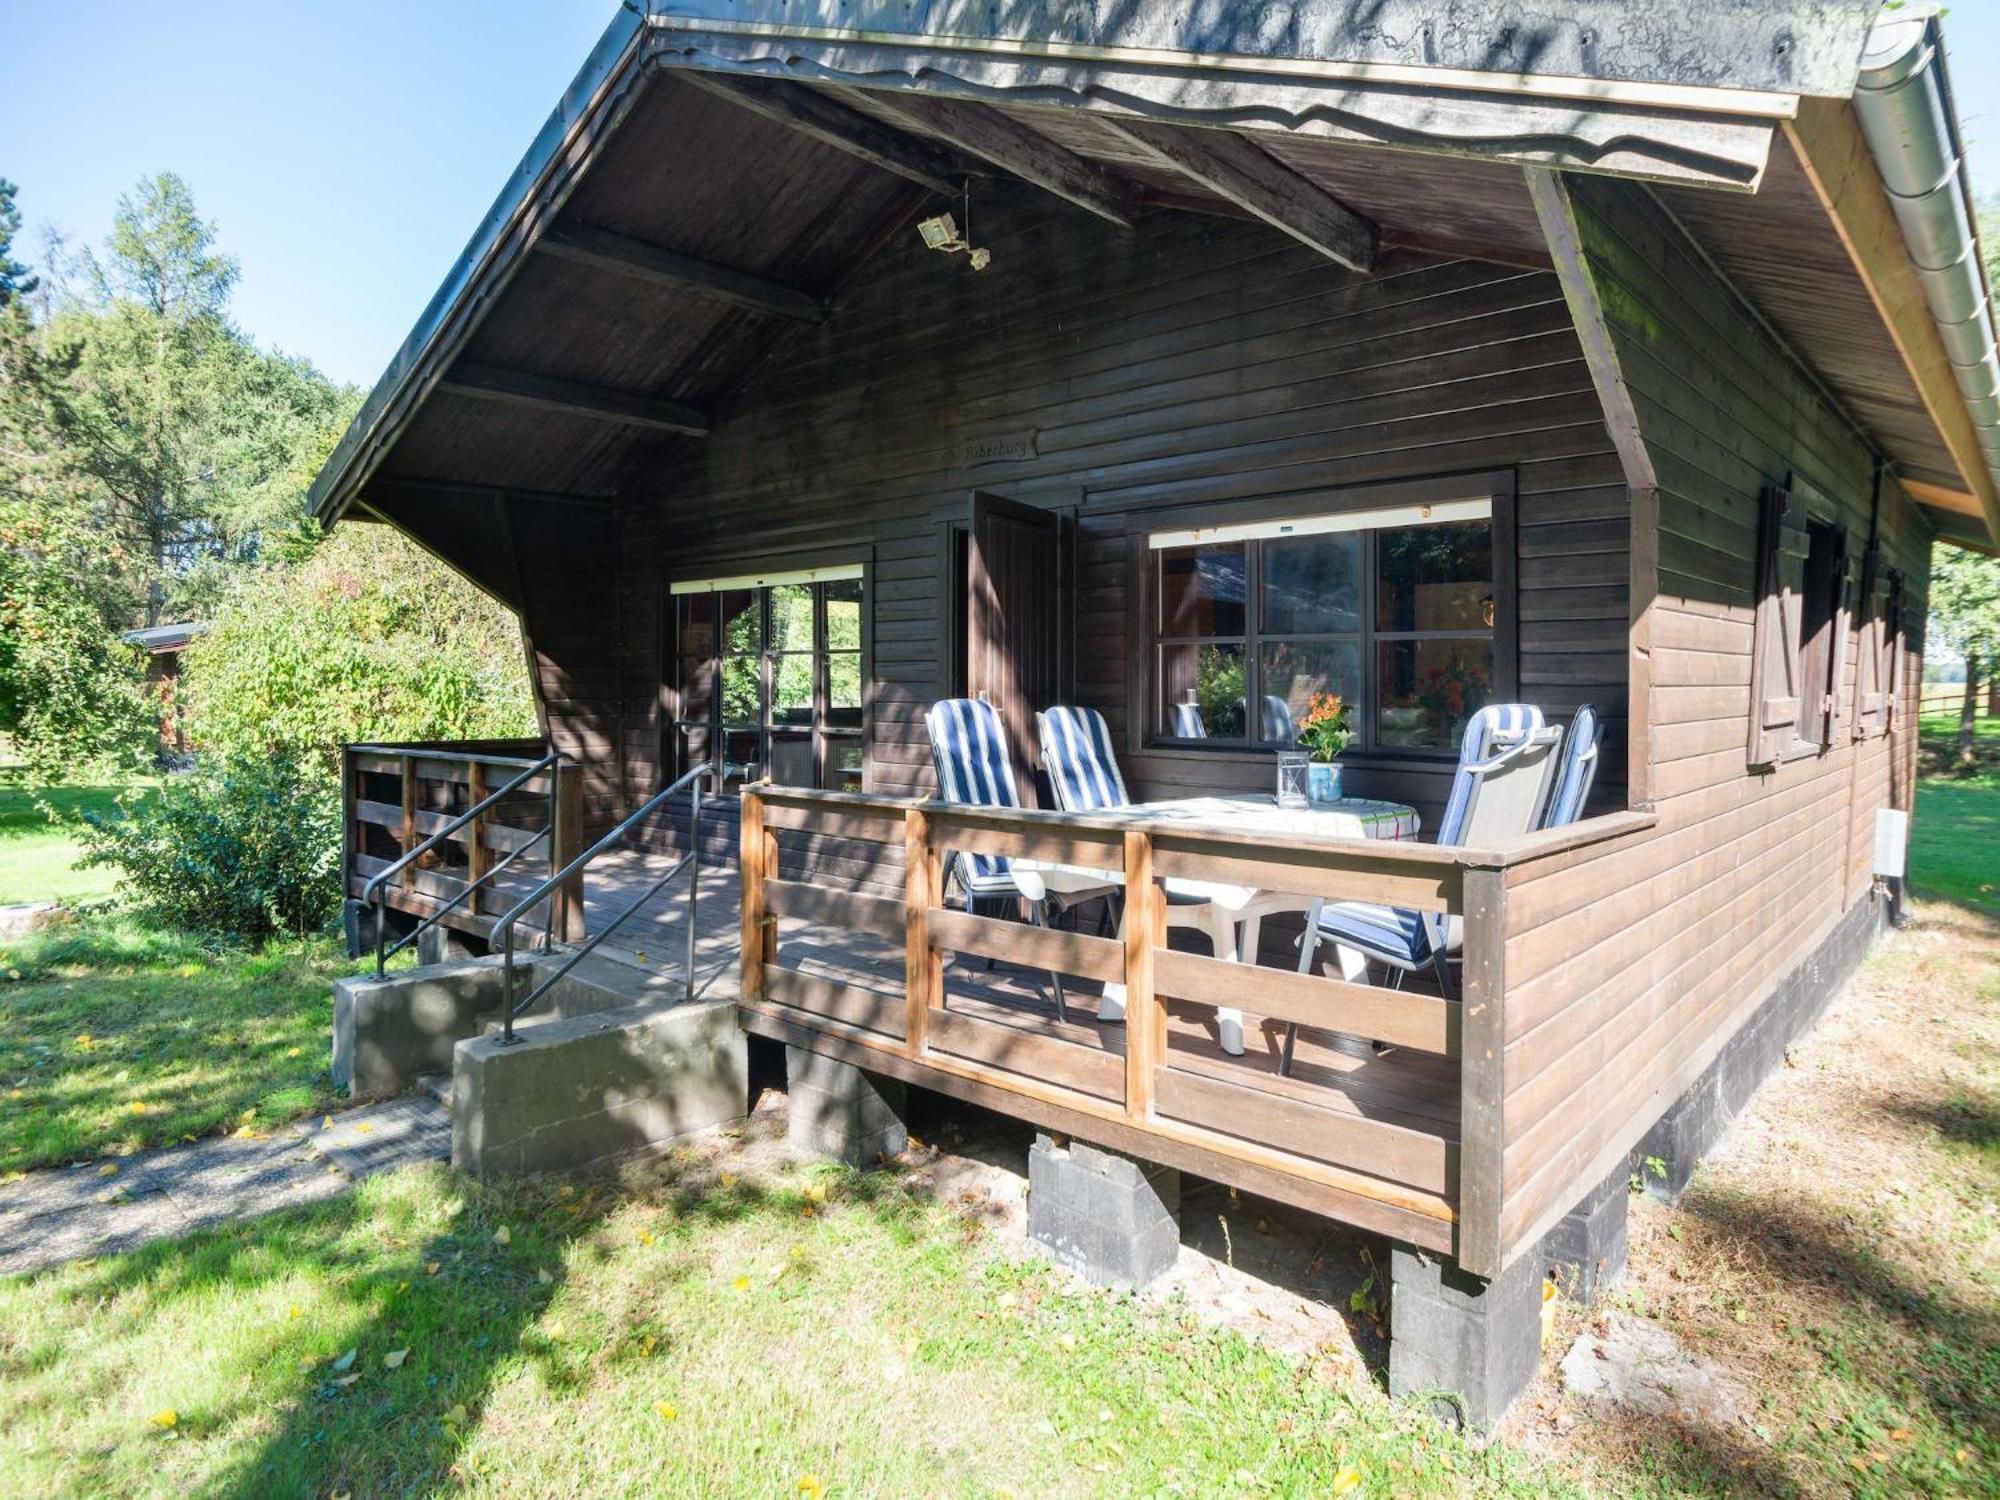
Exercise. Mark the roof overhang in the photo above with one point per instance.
(1695, 99)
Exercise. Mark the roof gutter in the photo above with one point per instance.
(1903, 100)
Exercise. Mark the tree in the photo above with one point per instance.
(1965, 615)
(15, 282)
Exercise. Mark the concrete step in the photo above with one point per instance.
(437, 1085)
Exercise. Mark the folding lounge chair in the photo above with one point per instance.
(974, 767)
(1578, 771)
(1083, 772)
(1506, 767)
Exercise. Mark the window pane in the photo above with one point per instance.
(844, 754)
(792, 759)
(697, 688)
(742, 689)
(742, 756)
(1290, 672)
(742, 620)
(1202, 590)
(696, 619)
(1312, 585)
(695, 746)
(843, 615)
(843, 690)
(1201, 692)
(1426, 690)
(792, 689)
(1436, 578)
(792, 617)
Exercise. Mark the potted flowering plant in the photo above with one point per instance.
(1325, 731)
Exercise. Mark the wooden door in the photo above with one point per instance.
(1015, 579)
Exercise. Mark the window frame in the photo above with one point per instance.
(1797, 674)
(1146, 734)
(824, 736)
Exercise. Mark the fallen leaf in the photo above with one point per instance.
(364, 1128)
(810, 1486)
(544, 1277)
(1347, 1479)
(291, 1052)
(646, 1237)
(137, 1107)
(346, 1380)
(729, 1179)
(1901, 1434)
(431, 1268)
(168, 1419)
(109, 1169)
(326, 1123)
(346, 1361)
(816, 1193)
(742, 1283)
(393, 1360)
(503, 1236)
(665, 1410)
(457, 1415)
(296, 1312)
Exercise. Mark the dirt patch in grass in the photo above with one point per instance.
(1839, 1255)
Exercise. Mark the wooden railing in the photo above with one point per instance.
(1144, 1087)
(395, 796)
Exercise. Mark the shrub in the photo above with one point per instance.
(245, 846)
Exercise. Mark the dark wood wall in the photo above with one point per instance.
(1628, 970)
(1191, 360)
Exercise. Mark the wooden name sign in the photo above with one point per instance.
(1008, 447)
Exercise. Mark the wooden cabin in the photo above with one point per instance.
(823, 361)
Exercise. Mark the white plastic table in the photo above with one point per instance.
(1232, 916)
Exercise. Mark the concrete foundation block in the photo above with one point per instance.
(1111, 1219)
(837, 1111)
(1585, 1252)
(571, 1092)
(1478, 1342)
(387, 1031)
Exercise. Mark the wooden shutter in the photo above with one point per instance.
(1871, 687)
(1775, 690)
(1013, 625)
(1892, 651)
(1836, 651)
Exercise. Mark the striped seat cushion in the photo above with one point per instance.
(1388, 933)
(974, 767)
(1077, 754)
(1578, 770)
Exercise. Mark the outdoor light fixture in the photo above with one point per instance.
(941, 233)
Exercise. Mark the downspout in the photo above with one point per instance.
(1903, 100)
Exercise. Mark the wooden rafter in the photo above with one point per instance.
(834, 124)
(987, 133)
(591, 246)
(629, 408)
(1243, 173)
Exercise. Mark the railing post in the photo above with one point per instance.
(750, 864)
(475, 849)
(566, 842)
(1482, 1083)
(409, 835)
(923, 970)
(1145, 1017)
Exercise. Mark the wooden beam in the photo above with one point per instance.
(1242, 172)
(1008, 144)
(383, 490)
(588, 245)
(488, 383)
(834, 124)
(1940, 498)
(1841, 168)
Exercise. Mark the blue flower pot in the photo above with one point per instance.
(1323, 783)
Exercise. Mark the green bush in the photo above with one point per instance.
(246, 846)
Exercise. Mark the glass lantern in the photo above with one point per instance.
(1294, 769)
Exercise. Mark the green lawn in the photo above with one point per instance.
(37, 859)
(1955, 843)
(115, 1036)
(682, 1334)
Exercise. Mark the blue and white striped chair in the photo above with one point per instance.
(976, 768)
(1578, 771)
(1278, 726)
(1506, 767)
(1188, 722)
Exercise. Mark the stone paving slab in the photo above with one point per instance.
(65, 1213)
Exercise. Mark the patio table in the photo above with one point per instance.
(1232, 915)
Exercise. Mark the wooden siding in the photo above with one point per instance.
(1628, 969)
(1191, 360)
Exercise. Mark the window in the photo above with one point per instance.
(769, 678)
(1798, 664)
(1392, 610)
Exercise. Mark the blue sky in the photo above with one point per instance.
(346, 150)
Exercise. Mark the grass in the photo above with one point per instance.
(1955, 841)
(37, 857)
(688, 1332)
(115, 1036)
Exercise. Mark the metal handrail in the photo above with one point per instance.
(371, 893)
(504, 928)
